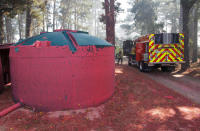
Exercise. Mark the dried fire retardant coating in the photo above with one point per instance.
(62, 70)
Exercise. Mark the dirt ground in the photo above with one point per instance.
(185, 83)
(193, 71)
(138, 104)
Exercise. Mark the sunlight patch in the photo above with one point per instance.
(89, 113)
(118, 71)
(178, 76)
(94, 113)
(161, 113)
(189, 113)
(197, 75)
(57, 114)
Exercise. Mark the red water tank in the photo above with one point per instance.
(51, 78)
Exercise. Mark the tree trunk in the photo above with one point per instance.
(181, 19)
(8, 30)
(107, 10)
(28, 22)
(19, 26)
(1, 29)
(186, 39)
(186, 6)
(47, 22)
(54, 13)
(195, 46)
(95, 14)
(110, 21)
(43, 25)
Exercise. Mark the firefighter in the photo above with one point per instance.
(133, 52)
(120, 57)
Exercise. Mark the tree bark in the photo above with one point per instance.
(19, 26)
(110, 21)
(186, 39)
(1, 29)
(181, 20)
(43, 21)
(186, 6)
(54, 13)
(47, 21)
(8, 29)
(28, 22)
(107, 10)
(195, 41)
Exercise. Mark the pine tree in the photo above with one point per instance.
(9, 8)
(34, 10)
(186, 6)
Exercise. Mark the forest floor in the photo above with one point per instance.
(140, 103)
(193, 71)
(186, 83)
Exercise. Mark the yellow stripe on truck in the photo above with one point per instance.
(174, 52)
(151, 45)
(157, 55)
(160, 58)
(177, 50)
(181, 40)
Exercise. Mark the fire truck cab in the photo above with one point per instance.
(163, 50)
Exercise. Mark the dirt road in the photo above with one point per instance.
(185, 85)
(138, 104)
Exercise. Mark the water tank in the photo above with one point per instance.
(62, 70)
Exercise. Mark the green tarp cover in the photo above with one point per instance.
(85, 39)
(61, 39)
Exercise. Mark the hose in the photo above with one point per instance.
(10, 109)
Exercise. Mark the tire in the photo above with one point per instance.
(171, 68)
(129, 62)
(1, 90)
(168, 68)
(164, 69)
(141, 66)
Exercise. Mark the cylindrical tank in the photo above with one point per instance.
(62, 70)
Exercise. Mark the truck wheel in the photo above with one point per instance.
(167, 68)
(129, 63)
(1, 89)
(141, 66)
(164, 69)
(170, 68)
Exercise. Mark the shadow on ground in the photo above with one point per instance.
(138, 104)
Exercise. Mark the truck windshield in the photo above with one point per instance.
(172, 38)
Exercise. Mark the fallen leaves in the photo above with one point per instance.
(137, 104)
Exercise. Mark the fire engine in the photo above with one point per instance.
(163, 50)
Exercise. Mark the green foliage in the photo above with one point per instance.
(145, 17)
(75, 12)
(37, 7)
(117, 8)
(169, 13)
(11, 7)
